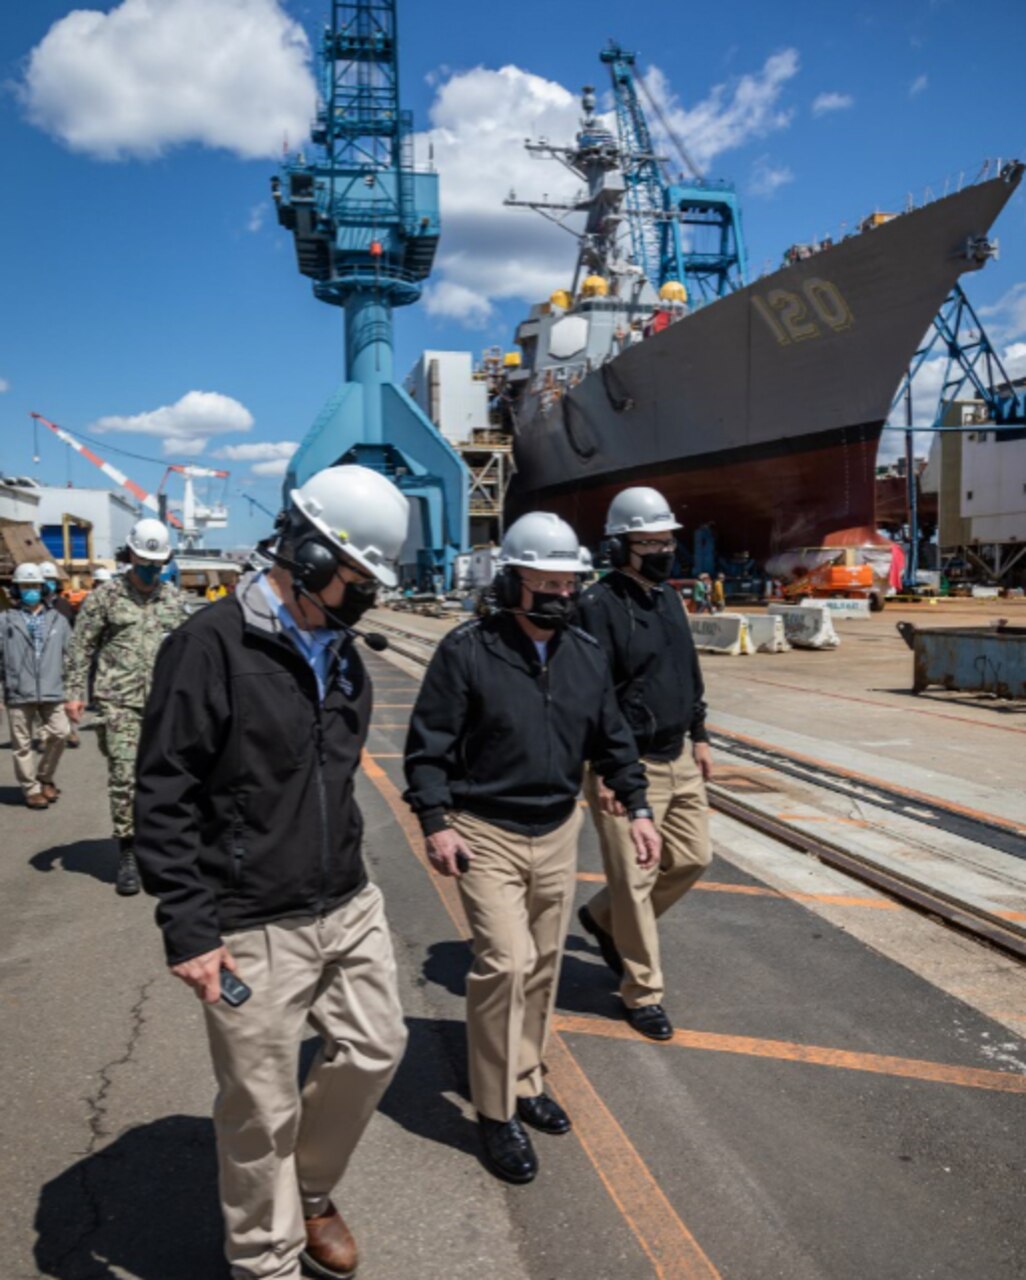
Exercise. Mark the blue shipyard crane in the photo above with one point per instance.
(366, 224)
(687, 230)
(959, 334)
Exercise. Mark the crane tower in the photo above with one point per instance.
(365, 222)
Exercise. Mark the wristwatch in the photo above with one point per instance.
(643, 812)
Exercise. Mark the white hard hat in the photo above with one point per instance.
(28, 574)
(540, 540)
(359, 512)
(48, 569)
(639, 510)
(150, 540)
(102, 575)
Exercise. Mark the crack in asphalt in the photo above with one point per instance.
(97, 1105)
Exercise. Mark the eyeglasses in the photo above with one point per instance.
(553, 586)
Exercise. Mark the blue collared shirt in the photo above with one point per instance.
(315, 645)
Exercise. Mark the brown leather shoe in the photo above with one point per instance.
(330, 1248)
(50, 791)
(37, 801)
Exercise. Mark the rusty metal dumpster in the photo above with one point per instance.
(971, 659)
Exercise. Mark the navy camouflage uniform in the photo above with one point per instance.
(121, 628)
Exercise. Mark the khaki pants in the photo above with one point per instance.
(633, 900)
(518, 895)
(281, 1152)
(52, 722)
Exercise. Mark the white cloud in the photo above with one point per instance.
(731, 114)
(273, 467)
(154, 74)
(269, 458)
(824, 103)
(1006, 318)
(187, 425)
(257, 216)
(766, 178)
(478, 123)
(917, 86)
(479, 120)
(4, 385)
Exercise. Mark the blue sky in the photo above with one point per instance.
(143, 265)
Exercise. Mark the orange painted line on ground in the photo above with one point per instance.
(672, 1249)
(757, 891)
(817, 1055)
(387, 755)
(674, 1252)
(1011, 915)
(1006, 824)
(823, 817)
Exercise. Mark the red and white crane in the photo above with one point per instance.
(197, 517)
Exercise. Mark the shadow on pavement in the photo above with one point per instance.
(96, 858)
(146, 1205)
(584, 986)
(11, 795)
(425, 1098)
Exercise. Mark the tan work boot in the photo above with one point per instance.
(50, 791)
(36, 800)
(330, 1248)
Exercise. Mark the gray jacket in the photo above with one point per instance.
(23, 676)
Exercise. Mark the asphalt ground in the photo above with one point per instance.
(836, 1103)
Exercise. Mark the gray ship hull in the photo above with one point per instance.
(761, 412)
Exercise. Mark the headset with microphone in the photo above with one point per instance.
(313, 565)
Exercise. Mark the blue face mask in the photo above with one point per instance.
(51, 584)
(31, 596)
(147, 573)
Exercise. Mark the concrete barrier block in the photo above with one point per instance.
(721, 633)
(767, 633)
(841, 608)
(807, 626)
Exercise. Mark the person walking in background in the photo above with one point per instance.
(718, 594)
(643, 630)
(33, 644)
(121, 625)
(700, 595)
(54, 599)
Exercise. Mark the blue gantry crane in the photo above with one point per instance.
(366, 224)
(687, 230)
(959, 335)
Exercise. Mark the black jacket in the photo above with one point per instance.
(244, 806)
(647, 640)
(500, 736)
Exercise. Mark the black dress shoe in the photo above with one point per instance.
(544, 1113)
(651, 1021)
(605, 942)
(507, 1149)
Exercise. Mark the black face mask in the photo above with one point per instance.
(657, 565)
(550, 612)
(359, 597)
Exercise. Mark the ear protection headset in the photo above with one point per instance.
(506, 588)
(617, 550)
(312, 563)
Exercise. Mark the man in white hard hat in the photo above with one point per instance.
(120, 627)
(249, 834)
(643, 630)
(510, 709)
(33, 642)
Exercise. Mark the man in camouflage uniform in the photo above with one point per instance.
(121, 626)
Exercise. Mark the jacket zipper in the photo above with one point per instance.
(322, 804)
(548, 722)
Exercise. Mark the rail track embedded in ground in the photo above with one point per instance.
(992, 832)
